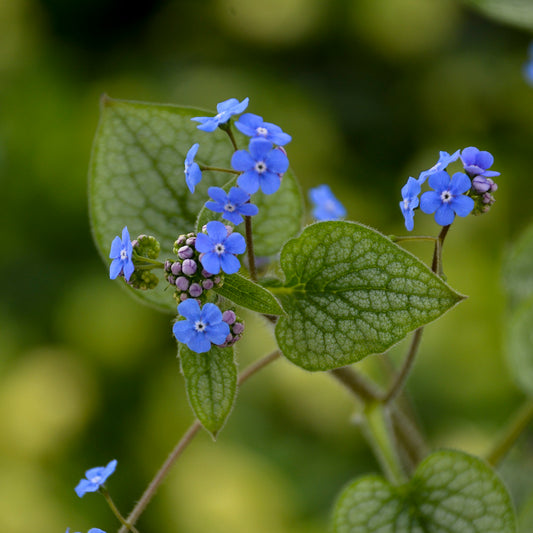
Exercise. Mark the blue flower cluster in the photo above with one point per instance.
(460, 194)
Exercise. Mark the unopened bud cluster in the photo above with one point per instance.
(236, 327)
(144, 246)
(481, 192)
(186, 274)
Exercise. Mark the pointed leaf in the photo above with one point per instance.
(351, 292)
(246, 293)
(450, 492)
(211, 383)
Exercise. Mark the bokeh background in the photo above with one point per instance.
(371, 91)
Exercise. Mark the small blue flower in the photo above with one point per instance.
(326, 206)
(201, 327)
(193, 174)
(444, 160)
(410, 192)
(261, 166)
(96, 477)
(121, 253)
(447, 200)
(218, 248)
(231, 205)
(476, 162)
(254, 126)
(92, 530)
(225, 110)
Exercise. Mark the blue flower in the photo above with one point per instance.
(476, 162)
(254, 126)
(326, 206)
(410, 192)
(225, 110)
(447, 200)
(121, 253)
(444, 160)
(218, 248)
(193, 174)
(261, 166)
(201, 327)
(96, 477)
(231, 205)
(92, 530)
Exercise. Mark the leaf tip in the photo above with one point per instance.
(105, 100)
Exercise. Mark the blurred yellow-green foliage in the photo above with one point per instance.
(370, 91)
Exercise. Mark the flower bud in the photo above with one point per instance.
(147, 246)
(480, 184)
(171, 279)
(183, 296)
(176, 268)
(189, 267)
(237, 328)
(207, 284)
(185, 252)
(182, 283)
(191, 241)
(195, 290)
(168, 265)
(229, 317)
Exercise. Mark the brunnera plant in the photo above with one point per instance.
(197, 198)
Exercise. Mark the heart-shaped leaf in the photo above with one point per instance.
(351, 292)
(450, 492)
(137, 180)
(211, 383)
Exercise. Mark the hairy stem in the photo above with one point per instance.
(218, 169)
(227, 128)
(189, 435)
(401, 238)
(363, 389)
(250, 247)
(510, 434)
(116, 512)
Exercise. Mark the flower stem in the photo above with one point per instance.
(189, 435)
(510, 434)
(218, 169)
(116, 512)
(250, 247)
(227, 128)
(355, 383)
(400, 238)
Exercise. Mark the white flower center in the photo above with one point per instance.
(219, 248)
(262, 131)
(123, 255)
(446, 196)
(330, 206)
(95, 479)
(199, 326)
(229, 207)
(260, 167)
(406, 203)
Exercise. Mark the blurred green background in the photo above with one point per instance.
(371, 91)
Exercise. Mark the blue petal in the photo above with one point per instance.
(460, 184)
(440, 181)
(242, 160)
(83, 487)
(227, 105)
(248, 123)
(249, 210)
(238, 196)
(217, 231)
(211, 262)
(209, 125)
(193, 176)
(319, 194)
(128, 269)
(199, 342)
(259, 148)
(203, 243)
(217, 208)
(116, 247)
(125, 235)
(430, 202)
(484, 159)
(233, 217)
(211, 313)
(191, 154)
(411, 189)
(444, 215)
(183, 330)
(249, 182)
(190, 309)
(462, 205)
(408, 215)
(230, 264)
(490, 173)
(115, 268)
(277, 161)
(218, 194)
(109, 469)
(270, 182)
(235, 244)
(468, 155)
(217, 333)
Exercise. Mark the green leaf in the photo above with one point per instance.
(211, 383)
(351, 292)
(515, 12)
(450, 492)
(246, 293)
(519, 345)
(518, 268)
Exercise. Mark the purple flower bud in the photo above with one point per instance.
(229, 338)
(493, 186)
(191, 241)
(195, 290)
(135, 243)
(185, 252)
(168, 264)
(189, 267)
(183, 296)
(228, 317)
(182, 283)
(488, 199)
(207, 284)
(176, 268)
(205, 273)
(229, 229)
(237, 328)
(181, 240)
(480, 184)
(217, 280)
(171, 279)
(204, 228)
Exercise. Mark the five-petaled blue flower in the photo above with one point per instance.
(232, 205)
(218, 248)
(447, 200)
(444, 160)
(476, 162)
(193, 174)
(225, 110)
(121, 253)
(326, 206)
(254, 126)
(96, 477)
(410, 192)
(201, 327)
(261, 166)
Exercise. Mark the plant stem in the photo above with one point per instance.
(436, 264)
(227, 128)
(250, 247)
(218, 169)
(189, 435)
(400, 238)
(116, 512)
(355, 383)
(510, 434)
